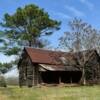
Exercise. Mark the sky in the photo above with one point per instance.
(61, 10)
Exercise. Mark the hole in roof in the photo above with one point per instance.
(63, 60)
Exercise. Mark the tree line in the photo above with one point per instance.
(4, 67)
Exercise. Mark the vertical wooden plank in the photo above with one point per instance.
(29, 73)
(36, 75)
(22, 76)
(40, 78)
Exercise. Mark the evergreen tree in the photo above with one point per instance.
(25, 28)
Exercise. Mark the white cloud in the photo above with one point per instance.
(60, 15)
(5, 59)
(75, 11)
(88, 4)
(63, 15)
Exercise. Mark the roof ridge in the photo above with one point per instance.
(43, 49)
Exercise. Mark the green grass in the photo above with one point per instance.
(51, 93)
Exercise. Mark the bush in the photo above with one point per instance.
(12, 81)
(2, 82)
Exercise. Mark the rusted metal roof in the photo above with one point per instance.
(56, 60)
(50, 57)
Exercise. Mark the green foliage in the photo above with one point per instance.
(2, 81)
(25, 28)
(12, 81)
(12, 51)
(4, 67)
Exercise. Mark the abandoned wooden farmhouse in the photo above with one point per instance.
(37, 66)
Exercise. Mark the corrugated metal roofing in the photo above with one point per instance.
(50, 57)
(58, 68)
(52, 60)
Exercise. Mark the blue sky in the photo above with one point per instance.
(61, 10)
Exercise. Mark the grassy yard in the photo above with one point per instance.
(51, 93)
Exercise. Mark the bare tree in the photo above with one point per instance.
(81, 37)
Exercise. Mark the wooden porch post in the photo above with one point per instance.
(71, 80)
(59, 79)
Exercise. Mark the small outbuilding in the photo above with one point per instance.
(37, 66)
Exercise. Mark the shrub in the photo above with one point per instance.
(2, 82)
(12, 81)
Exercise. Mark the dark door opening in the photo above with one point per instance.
(54, 77)
(50, 77)
(71, 76)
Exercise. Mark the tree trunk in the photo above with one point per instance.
(30, 43)
(83, 76)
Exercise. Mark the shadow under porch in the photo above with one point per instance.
(56, 77)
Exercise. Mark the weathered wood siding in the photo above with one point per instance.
(29, 73)
(22, 73)
(92, 69)
(33, 75)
